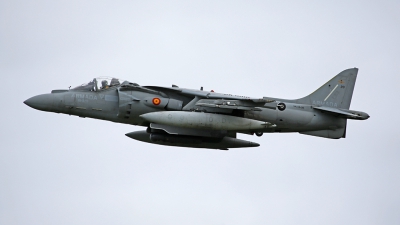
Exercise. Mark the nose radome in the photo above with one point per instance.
(40, 102)
(29, 102)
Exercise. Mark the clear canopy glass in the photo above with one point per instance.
(99, 84)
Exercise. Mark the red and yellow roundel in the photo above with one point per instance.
(156, 101)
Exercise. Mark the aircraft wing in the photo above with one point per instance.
(243, 104)
(206, 94)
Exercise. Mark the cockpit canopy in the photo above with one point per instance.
(99, 84)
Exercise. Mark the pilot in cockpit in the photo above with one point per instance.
(114, 82)
(104, 84)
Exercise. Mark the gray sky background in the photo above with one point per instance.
(59, 169)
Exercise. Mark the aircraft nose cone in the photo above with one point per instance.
(40, 102)
(29, 102)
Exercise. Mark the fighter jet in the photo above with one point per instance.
(182, 117)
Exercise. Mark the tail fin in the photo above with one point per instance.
(335, 93)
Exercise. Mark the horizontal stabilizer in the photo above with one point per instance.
(345, 113)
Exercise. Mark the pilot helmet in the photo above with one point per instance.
(104, 83)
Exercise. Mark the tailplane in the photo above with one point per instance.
(336, 93)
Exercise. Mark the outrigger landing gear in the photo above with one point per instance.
(259, 134)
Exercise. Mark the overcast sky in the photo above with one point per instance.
(60, 169)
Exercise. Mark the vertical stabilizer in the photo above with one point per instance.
(336, 93)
